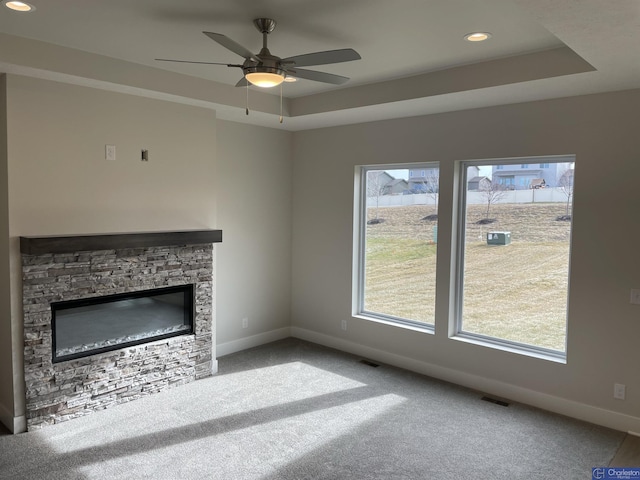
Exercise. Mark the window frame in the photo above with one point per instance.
(359, 266)
(457, 333)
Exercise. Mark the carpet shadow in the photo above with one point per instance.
(27, 452)
(188, 433)
(355, 421)
(502, 443)
(385, 448)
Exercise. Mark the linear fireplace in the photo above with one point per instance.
(75, 363)
(89, 326)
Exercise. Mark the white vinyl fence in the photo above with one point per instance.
(542, 195)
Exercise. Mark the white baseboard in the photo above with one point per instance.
(234, 346)
(570, 408)
(14, 424)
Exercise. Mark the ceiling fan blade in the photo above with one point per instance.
(231, 45)
(323, 58)
(202, 63)
(318, 76)
(243, 82)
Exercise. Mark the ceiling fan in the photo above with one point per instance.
(267, 70)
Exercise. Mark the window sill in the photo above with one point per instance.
(425, 328)
(512, 347)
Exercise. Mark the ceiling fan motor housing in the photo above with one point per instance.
(263, 69)
(268, 64)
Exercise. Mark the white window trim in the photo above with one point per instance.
(512, 347)
(360, 248)
(475, 338)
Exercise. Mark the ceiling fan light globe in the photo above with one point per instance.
(264, 76)
(264, 79)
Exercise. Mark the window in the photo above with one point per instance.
(506, 181)
(397, 247)
(513, 264)
(512, 252)
(544, 165)
(524, 165)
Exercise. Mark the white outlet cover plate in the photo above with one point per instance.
(619, 391)
(110, 152)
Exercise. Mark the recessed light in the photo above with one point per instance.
(477, 36)
(289, 79)
(19, 6)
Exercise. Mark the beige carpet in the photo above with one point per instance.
(294, 410)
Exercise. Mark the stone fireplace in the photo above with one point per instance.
(132, 357)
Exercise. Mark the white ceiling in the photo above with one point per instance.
(414, 60)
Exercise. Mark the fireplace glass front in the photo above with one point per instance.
(95, 325)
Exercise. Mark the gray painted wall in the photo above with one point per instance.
(603, 328)
(6, 363)
(60, 183)
(254, 212)
(202, 173)
(286, 258)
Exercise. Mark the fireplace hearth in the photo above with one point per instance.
(79, 359)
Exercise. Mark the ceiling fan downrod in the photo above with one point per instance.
(265, 26)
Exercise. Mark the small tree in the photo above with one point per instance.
(492, 193)
(431, 186)
(376, 186)
(565, 183)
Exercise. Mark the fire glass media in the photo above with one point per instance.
(95, 325)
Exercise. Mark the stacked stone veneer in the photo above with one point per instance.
(60, 391)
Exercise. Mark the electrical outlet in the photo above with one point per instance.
(344, 325)
(635, 296)
(110, 152)
(245, 322)
(619, 391)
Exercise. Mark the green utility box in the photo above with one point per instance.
(498, 238)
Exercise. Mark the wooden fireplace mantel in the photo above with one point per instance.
(112, 241)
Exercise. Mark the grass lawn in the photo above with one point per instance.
(516, 292)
